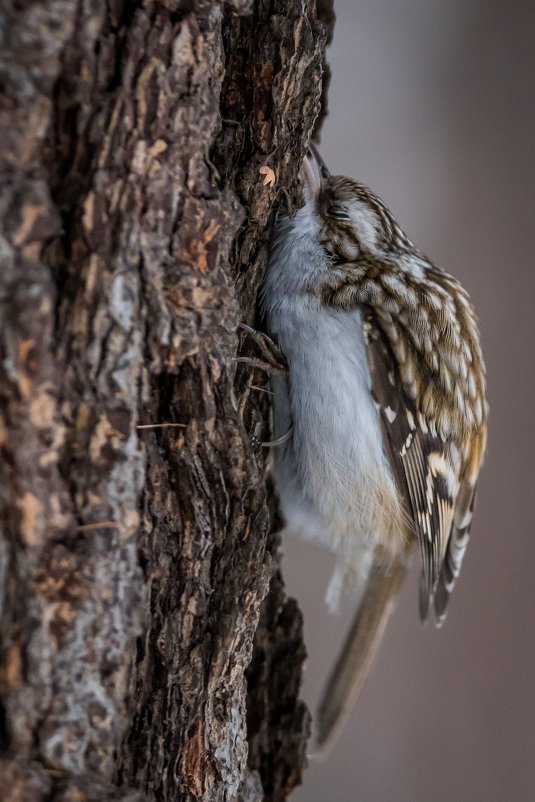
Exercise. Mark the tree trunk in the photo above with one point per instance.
(134, 553)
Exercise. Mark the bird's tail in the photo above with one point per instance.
(358, 652)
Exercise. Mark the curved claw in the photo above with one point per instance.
(275, 361)
(268, 367)
(280, 440)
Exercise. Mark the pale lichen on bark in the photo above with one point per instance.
(134, 233)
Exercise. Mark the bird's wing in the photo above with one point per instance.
(426, 467)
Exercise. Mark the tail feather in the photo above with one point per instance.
(358, 652)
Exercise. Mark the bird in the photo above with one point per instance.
(380, 420)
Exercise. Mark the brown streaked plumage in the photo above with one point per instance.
(426, 365)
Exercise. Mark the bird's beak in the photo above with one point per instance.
(313, 170)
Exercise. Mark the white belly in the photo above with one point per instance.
(332, 477)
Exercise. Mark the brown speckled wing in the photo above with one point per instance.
(426, 468)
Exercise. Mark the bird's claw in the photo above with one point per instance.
(273, 362)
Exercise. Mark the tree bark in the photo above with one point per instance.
(134, 551)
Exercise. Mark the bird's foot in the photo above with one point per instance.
(273, 362)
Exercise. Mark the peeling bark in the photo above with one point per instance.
(134, 551)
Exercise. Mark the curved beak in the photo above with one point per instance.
(313, 170)
(324, 170)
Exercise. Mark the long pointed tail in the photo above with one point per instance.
(358, 652)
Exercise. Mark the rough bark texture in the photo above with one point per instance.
(133, 561)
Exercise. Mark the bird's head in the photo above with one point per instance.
(353, 221)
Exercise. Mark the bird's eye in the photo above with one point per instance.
(338, 213)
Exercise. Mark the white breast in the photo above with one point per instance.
(332, 477)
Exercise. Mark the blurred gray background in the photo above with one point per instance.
(432, 105)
